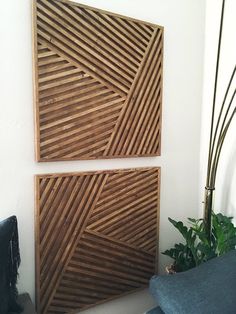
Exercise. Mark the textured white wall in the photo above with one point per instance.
(225, 196)
(184, 40)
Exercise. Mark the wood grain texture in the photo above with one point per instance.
(97, 83)
(96, 236)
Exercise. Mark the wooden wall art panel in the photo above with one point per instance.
(98, 83)
(96, 236)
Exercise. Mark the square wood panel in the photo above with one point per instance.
(98, 83)
(96, 236)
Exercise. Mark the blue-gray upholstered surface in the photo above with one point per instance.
(207, 289)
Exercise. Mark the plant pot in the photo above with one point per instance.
(171, 269)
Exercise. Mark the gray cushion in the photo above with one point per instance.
(207, 289)
(156, 310)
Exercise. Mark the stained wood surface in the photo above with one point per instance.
(96, 236)
(98, 83)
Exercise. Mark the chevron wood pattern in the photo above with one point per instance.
(96, 236)
(98, 83)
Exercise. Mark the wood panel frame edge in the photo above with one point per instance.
(162, 85)
(110, 13)
(35, 80)
(157, 265)
(93, 172)
(37, 255)
(109, 299)
(39, 159)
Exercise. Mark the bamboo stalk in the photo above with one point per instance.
(221, 110)
(221, 139)
(208, 204)
(214, 96)
(208, 201)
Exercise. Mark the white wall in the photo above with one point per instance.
(184, 40)
(225, 196)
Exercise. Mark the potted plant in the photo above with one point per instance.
(215, 234)
(198, 248)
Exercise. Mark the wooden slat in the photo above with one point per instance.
(126, 125)
(85, 57)
(95, 236)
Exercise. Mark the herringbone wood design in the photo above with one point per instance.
(98, 83)
(96, 236)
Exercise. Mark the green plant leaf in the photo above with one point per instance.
(198, 247)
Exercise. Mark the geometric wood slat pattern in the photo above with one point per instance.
(96, 236)
(97, 83)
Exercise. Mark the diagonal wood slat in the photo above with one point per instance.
(96, 236)
(68, 220)
(98, 83)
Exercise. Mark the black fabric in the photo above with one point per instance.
(9, 263)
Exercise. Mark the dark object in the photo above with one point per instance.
(208, 288)
(9, 263)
